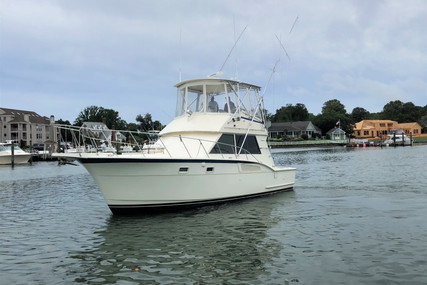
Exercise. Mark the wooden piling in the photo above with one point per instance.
(32, 154)
(12, 158)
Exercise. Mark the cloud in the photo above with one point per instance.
(62, 56)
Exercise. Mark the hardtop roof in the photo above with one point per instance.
(215, 81)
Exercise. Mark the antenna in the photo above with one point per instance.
(180, 54)
(234, 26)
(280, 42)
(296, 19)
(222, 66)
(290, 31)
(260, 100)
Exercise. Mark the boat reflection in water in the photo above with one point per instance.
(215, 244)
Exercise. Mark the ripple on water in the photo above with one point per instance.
(351, 220)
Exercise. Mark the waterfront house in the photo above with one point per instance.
(25, 127)
(409, 128)
(378, 128)
(293, 129)
(337, 134)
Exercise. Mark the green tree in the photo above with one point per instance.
(401, 112)
(333, 107)
(392, 111)
(146, 123)
(300, 113)
(358, 114)
(99, 114)
(268, 115)
(291, 113)
(64, 133)
(423, 123)
(332, 113)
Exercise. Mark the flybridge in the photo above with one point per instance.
(216, 95)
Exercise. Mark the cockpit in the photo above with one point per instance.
(216, 95)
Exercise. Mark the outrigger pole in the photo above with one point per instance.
(260, 100)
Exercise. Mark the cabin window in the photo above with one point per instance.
(227, 144)
(209, 169)
(230, 96)
(195, 99)
(217, 92)
(250, 145)
(180, 104)
(224, 145)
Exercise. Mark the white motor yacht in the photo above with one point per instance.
(214, 150)
(397, 137)
(19, 156)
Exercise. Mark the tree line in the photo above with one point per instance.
(334, 111)
(112, 120)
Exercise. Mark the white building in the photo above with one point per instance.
(293, 129)
(337, 134)
(25, 127)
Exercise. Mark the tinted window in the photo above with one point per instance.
(226, 144)
(251, 144)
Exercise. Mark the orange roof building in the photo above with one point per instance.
(377, 128)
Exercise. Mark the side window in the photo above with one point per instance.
(225, 144)
(250, 145)
(195, 98)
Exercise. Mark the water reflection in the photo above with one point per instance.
(210, 245)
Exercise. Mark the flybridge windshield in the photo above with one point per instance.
(218, 96)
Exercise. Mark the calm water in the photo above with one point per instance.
(355, 217)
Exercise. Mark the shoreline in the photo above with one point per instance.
(301, 145)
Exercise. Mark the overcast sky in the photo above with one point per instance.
(59, 57)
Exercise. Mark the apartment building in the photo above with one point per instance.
(25, 127)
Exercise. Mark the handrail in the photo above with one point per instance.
(90, 143)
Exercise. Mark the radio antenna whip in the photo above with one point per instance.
(232, 48)
(280, 42)
(234, 29)
(296, 19)
(180, 54)
(290, 31)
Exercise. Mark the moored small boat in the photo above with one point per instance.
(397, 138)
(18, 156)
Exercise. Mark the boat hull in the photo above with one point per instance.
(147, 185)
(18, 159)
(398, 143)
